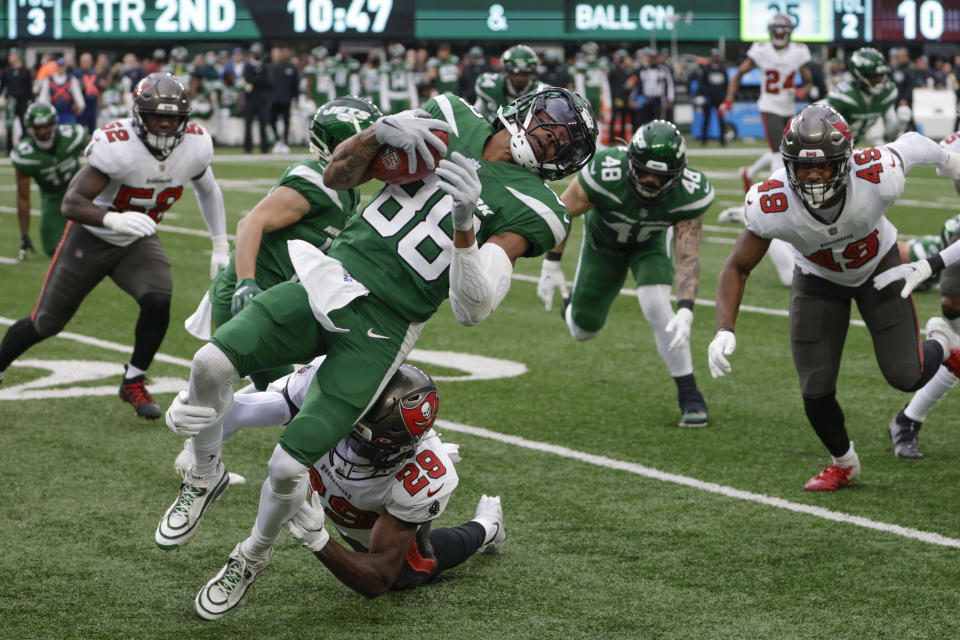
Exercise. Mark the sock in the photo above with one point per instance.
(453, 545)
(655, 303)
(930, 394)
(848, 459)
(151, 328)
(132, 372)
(490, 528)
(207, 446)
(759, 165)
(280, 497)
(826, 418)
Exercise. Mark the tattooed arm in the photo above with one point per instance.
(348, 165)
(688, 234)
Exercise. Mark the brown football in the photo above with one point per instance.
(391, 165)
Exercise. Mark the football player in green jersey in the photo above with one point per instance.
(868, 101)
(632, 197)
(443, 71)
(517, 77)
(397, 88)
(590, 80)
(50, 154)
(455, 234)
(299, 206)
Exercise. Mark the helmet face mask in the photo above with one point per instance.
(392, 429)
(41, 124)
(553, 133)
(337, 120)
(657, 157)
(519, 65)
(160, 111)
(816, 149)
(780, 28)
(870, 70)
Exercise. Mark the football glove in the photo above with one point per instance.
(188, 419)
(551, 279)
(904, 114)
(25, 245)
(725, 107)
(950, 168)
(220, 257)
(723, 344)
(679, 326)
(459, 179)
(244, 293)
(131, 223)
(452, 450)
(306, 525)
(410, 132)
(912, 274)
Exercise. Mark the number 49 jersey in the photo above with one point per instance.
(778, 68)
(138, 180)
(847, 250)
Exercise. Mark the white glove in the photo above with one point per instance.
(950, 168)
(723, 344)
(188, 419)
(551, 279)
(410, 132)
(679, 326)
(452, 450)
(132, 223)
(459, 179)
(904, 114)
(913, 274)
(306, 525)
(220, 257)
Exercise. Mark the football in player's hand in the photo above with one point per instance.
(391, 164)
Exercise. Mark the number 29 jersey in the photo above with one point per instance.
(138, 180)
(848, 250)
(778, 68)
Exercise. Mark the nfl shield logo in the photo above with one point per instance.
(391, 159)
(832, 231)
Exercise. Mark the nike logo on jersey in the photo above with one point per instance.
(371, 334)
(430, 494)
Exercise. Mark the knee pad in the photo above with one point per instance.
(155, 302)
(580, 335)
(287, 474)
(211, 379)
(655, 304)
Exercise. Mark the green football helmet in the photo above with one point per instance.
(519, 63)
(178, 53)
(319, 52)
(553, 133)
(41, 115)
(658, 156)
(337, 120)
(870, 70)
(591, 51)
(396, 51)
(950, 228)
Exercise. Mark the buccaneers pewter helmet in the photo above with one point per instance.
(392, 428)
(780, 28)
(160, 94)
(818, 135)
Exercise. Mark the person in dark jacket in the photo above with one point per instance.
(16, 84)
(286, 88)
(258, 92)
(711, 90)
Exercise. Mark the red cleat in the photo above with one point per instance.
(832, 478)
(745, 176)
(953, 362)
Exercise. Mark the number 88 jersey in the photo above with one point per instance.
(138, 180)
(847, 250)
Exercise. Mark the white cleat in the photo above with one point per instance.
(225, 591)
(731, 214)
(179, 523)
(183, 463)
(489, 511)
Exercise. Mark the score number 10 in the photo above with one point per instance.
(930, 19)
(322, 17)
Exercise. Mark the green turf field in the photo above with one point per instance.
(620, 524)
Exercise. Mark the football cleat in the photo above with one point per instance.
(731, 214)
(183, 463)
(693, 409)
(903, 434)
(225, 591)
(134, 391)
(489, 511)
(832, 478)
(937, 326)
(179, 523)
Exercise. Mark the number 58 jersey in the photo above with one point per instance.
(138, 180)
(848, 250)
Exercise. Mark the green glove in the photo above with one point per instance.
(246, 289)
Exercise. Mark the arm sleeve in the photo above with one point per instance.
(915, 149)
(479, 281)
(210, 199)
(951, 254)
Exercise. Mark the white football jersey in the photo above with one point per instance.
(848, 250)
(138, 180)
(951, 142)
(416, 491)
(778, 68)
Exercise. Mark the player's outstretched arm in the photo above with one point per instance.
(348, 165)
(280, 209)
(915, 149)
(78, 200)
(734, 84)
(210, 200)
(368, 573)
(577, 203)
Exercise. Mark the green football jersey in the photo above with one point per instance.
(342, 72)
(491, 94)
(448, 74)
(401, 245)
(329, 211)
(590, 81)
(52, 169)
(620, 217)
(861, 111)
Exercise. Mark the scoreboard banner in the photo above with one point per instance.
(558, 20)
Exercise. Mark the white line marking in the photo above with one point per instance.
(710, 487)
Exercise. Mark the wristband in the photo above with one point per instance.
(685, 304)
(725, 329)
(554, 256)
(935, 262)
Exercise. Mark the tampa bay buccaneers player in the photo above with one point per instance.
(136, 169)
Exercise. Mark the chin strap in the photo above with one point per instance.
(520, 148)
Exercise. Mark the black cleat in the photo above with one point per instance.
(693, 409)
(563, 307)
(134, 391)
(903, 434)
